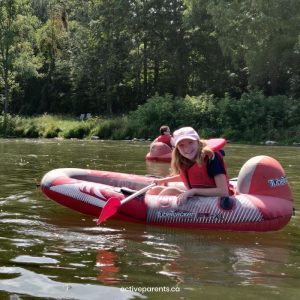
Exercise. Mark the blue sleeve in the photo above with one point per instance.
(215, 166)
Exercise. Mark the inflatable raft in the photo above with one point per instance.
(262, 199)
(159, 152)
(162, 152)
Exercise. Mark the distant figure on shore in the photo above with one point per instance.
(83, 117)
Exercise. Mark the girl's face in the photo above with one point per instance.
(188, 148)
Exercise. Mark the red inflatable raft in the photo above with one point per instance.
(262, 199)
(159, 152)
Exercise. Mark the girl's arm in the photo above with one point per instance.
(164, 181)
(221, 190)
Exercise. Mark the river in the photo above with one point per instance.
(50, 252)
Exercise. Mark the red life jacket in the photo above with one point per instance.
(164, 138)
(197, 176)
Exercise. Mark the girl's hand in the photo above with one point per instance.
(183, 197)
(166, 180)
(160, 181)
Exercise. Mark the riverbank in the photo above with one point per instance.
(96, 127)
(253, 119)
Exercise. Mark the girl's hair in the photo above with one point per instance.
(178, 161)
(163, 129)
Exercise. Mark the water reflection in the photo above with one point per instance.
(106, 262)
(252, 265)
(125, 263)
(157, 168)
(244, 259)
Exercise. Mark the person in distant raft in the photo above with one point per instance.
(165, 136)
(202, 171)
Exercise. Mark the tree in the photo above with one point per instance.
(207, 67)
(261, 36)
(17, 57)
(53, 40)
(102, 45)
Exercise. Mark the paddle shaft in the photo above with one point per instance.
(112, 205)
(137, 193)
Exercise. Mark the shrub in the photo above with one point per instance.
(79, 131)
(31, 131)
(8, 124)
(51, 131)
(106, 128)
(148, 118)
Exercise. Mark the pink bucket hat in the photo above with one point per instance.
(185, 133)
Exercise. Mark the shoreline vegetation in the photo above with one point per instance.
(253, 119)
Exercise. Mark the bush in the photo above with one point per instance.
(51, 132)
(109, 129)
(79, 131)
(31, 131)
(199, 112)
(148, 118)
(8, 124)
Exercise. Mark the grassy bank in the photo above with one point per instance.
(49, 126)
(67, 127)
(251, 119)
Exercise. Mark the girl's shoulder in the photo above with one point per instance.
(217, 156)
(215, 165)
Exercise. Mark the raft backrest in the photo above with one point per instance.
(263, 175)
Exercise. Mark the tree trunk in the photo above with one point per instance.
(156, 74)
(145, 65)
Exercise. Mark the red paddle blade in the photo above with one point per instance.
(109, 209)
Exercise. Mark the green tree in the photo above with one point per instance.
(260, 36)
(102, 46)
(208, 69)
(53, 40)
(17, 56)
(160, 47)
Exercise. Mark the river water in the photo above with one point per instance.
(50, 252)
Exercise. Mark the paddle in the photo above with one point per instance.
(113, 204)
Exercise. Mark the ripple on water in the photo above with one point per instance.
(20, 196)
(40, 260)
(21, 221)
(18, 242)
(32, 284)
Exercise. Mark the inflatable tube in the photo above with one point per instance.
(162, 152)
(159, 152)
(262, 200)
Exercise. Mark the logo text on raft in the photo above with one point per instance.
(176, 214)
(274, 182)
(190, 215)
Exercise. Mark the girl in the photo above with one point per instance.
(201, 170)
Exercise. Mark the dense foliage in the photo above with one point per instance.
(252, 118)
(109, 57)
